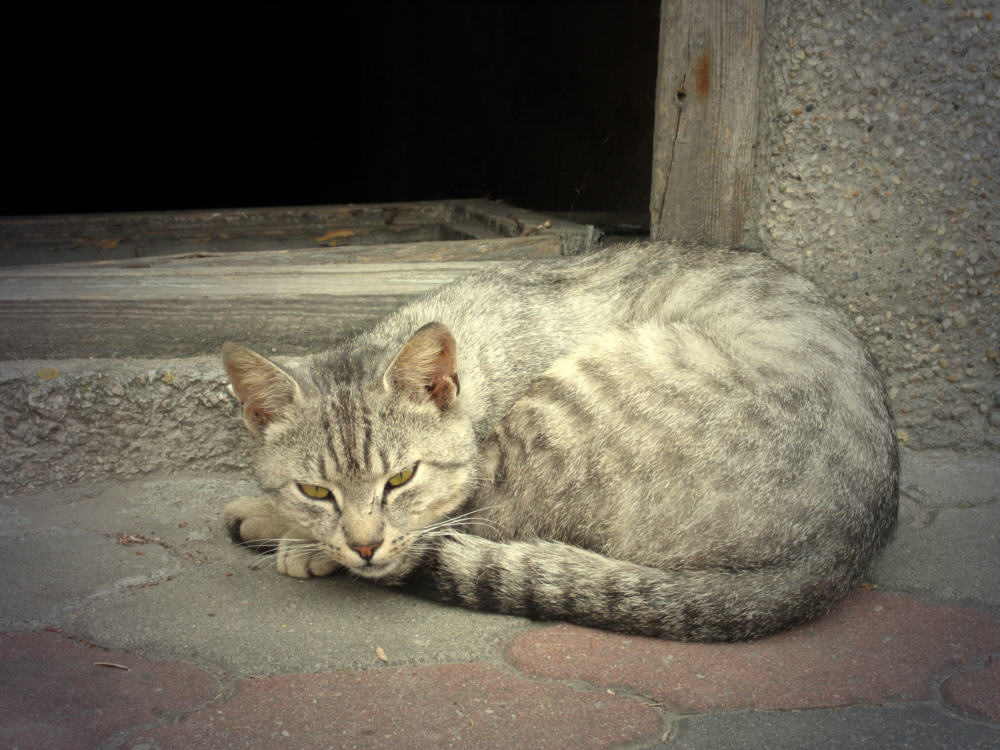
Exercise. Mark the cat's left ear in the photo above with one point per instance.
(264, 389)
(424, 369)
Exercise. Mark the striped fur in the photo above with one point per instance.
(684, 442)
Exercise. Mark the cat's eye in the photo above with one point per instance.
(398, 480)
(315, 491)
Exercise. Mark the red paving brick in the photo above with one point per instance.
(452, 705)
(976, 692)
(54, 695)
(872, 648)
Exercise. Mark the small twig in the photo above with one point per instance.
(524, 231)
(544, 225)
(112, 665)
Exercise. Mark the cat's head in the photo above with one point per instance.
(368, 464)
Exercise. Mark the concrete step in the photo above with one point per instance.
(69, 420)
(113, 371)
(109, 361)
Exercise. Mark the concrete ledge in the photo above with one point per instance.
(68, 420)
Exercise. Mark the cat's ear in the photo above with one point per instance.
(263, 388)
(424, 369)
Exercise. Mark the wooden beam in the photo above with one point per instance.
(286, 301)
(33, 240)
(706, 120)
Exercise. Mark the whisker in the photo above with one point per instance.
(264, 559)
(300, 552)
(443, 527)
(267, 549)
(464, 517)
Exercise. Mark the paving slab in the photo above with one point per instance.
(226, 617)
(959, 556)
(917, 727)
(947, 544)
(451, 705)
(146, 565)
(58, 694)
(872, 648)
(143, 567)
(939, 478)
(976, 691)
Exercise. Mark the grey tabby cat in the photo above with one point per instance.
(677, 441)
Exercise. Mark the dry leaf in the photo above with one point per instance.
(335, 234)
(381, 654)
(130, 540)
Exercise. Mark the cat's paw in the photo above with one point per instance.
(254, 521)
(301, 558)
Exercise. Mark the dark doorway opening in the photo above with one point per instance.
(544, 104)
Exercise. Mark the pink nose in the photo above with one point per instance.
(367, 551)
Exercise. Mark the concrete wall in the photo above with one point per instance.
(878, 170)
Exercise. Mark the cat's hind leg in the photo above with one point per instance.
(255, 522)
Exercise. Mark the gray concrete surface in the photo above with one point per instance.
(140, 573)
(947, 545)
(145, 565)
(879, 171)
(66, 421)
(912, 727)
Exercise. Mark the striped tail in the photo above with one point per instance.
(555, 581)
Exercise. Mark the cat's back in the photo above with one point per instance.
(633, 282)
(513, 322)
(749, 303)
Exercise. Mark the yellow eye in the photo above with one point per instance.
(315, 491)
(401, 478)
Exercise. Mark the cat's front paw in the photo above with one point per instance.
(302, 558)
(254, 522)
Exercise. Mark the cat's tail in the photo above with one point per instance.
(555, 581)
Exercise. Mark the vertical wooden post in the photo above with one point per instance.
(706, 119)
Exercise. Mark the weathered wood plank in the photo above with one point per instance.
(291, 300)
(113, 310)
(706, 120)
(66, 329)
(507, 221)
(51, 239)
(112, 283)
(515, 248)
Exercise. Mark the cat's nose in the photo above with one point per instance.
(367, 550)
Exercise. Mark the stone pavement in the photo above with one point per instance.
(130, 622)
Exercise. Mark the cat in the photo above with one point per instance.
(679, 441)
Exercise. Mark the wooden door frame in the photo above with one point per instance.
(705, 132)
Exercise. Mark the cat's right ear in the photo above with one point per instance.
(424, 370)
(263, 388)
